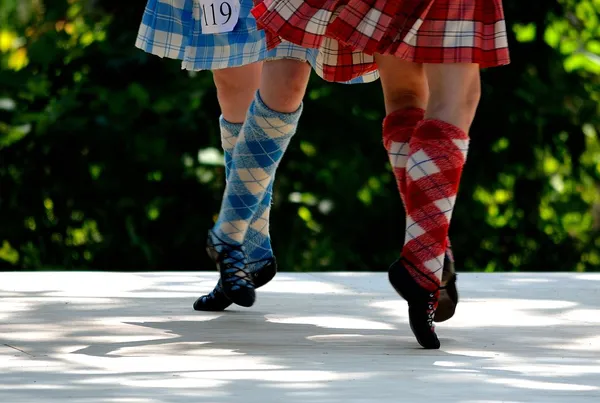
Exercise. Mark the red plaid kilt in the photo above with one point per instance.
(420, 31)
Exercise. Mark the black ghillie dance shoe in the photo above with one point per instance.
(422, 303)
(217, 301)
(236, 282)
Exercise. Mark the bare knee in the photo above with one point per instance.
(455, 93)
(284, 84)
(457, 109)
(229, 86)
(403, 98)
(235, 90)
(404, 83)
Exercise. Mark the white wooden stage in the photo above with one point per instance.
(318, 338)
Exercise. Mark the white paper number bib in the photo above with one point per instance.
(219, 16)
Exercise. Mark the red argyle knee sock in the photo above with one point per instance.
(438, 151)
(398, 128)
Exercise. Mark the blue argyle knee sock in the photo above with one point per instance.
(262, 142)
(229, 135)
(258, 240)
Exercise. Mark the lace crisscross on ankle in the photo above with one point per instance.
(232, 259)
(217, 292)
(432, 303)
(433, 295)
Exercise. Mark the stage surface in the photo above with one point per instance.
(310, 338)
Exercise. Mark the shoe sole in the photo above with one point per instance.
(243, 301)
(448, 301)
(446, 308)
(199, 306)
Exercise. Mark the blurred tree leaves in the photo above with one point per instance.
(110, 158)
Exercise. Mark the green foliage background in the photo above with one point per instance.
(110, 159)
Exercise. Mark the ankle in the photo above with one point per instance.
(426, 279)
(221, 239)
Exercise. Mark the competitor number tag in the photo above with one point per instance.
(219, 16)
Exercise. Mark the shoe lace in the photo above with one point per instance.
(231, 256)
(210, 296)
(234, 262)
(432, 297)
(233, 259)
(213, 294)
(432, 302)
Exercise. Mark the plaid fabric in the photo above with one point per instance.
(257, 243)
(172, 29)
(398, 129)
(421, 31)
(436, 157)
(258, 151)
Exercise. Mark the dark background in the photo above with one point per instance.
(110, 158)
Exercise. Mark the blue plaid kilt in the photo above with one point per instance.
(172, 29)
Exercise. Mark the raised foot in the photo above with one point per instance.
(422, 303)
(262, 272)
(215, 301)
(230, 259)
